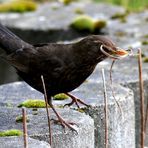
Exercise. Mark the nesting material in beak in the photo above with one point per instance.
(114, 54)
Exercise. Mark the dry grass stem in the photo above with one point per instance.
(146, 117)
(112, 89)
(105, 109)
(47, 110)
(25, 127)
(141, 98)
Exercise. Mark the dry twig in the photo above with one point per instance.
(141, 97)
(112, 89)
(105, 109)
(146, 117)
(48, 115)
(25, 127)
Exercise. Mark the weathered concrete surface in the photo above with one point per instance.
(131, 33)
(125, 72)
(18, 142)
(38, 127)
(92, 93)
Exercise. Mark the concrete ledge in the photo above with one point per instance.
(17, 142)
(119, 124)
(38, 127)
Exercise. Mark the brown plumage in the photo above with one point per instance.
(63, 66)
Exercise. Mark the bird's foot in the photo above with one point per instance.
(65, 124)
(76, 101)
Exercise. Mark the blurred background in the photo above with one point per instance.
(36, 21)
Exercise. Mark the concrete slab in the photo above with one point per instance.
(120, 123)
(17, 142)
(38, 127)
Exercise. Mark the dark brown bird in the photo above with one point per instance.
(63, 66)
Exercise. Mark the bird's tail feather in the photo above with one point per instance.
(9, 41)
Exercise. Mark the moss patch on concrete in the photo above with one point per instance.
(120, 16)
(79, 11)
(85, 22)
(145, 59)
(144, 42)
(19, 119)
(18, 6)
(66, 2)
(33, 104)
(61, 96)
(12, 132)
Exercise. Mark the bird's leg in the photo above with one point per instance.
(60, 119)
(75, 100)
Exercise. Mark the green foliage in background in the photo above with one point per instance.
(132, 5)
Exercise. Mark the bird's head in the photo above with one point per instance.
(100, 47)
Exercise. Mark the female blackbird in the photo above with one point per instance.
(63, 66)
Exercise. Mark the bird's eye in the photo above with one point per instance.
(106, 48)
(107, 51)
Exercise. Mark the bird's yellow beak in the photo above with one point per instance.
(120, 53)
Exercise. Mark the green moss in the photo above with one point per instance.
(144, 42)
(79, 11)
(145, 36)
(67, 2)
(145, 59)
(61, 96)
(84, 22)
(20, 119)
(32, 104)
(120, 16)
(81, 110)
(18, 6)
(12, 132)
(120, 33)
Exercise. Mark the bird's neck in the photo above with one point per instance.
(85, 56)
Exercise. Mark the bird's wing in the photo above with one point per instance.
(20, 59)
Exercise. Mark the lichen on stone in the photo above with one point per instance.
(60, 96)
(12, 132)
(30, 103)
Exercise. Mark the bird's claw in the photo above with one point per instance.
(65, 124)
(71, 103)
(76, 101)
